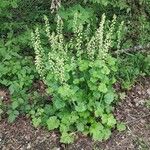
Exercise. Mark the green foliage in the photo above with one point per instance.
(16, 54)
(36, 116)
(121, 127)
(12, 114)
(17, 73)
(52, 123)
(67, 138)
(116, 3)
(131, 67)
(85, 15)
(17, 69)
(135, 14)
(81, 82)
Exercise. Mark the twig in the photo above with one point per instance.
(138, 119)
(135, 48)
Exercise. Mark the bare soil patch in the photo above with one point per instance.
(132, 110)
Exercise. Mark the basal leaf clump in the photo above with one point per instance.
(79, 73)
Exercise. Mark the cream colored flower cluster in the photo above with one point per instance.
(108, 40)
(78, 37)
(57, 54)
(101, 41)
(39, 57)
(62, 51)
(99, 37)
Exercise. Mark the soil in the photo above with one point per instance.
(131, 109)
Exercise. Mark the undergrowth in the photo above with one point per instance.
(79, 72)
(132, 66)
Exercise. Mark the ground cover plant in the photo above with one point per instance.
(79, 74)
(78, 55)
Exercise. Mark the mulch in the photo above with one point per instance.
(132, 110)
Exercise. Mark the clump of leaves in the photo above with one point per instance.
(131, 67)
(121, 126)
(85, 15)
(79, 73)
(17, 74)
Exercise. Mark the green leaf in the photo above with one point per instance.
(83, 65)
(73, 118)
(96, 131)
(49, 90)
(107, 133)
(92, 86)
(76, 81)
(99, 63)
(102, 88)
(66, 138)
(111, 121)
(58, 103)
(93, 80)
(121, 127)
(109, 109)
(64, 127)
(95, 73)
(32, 112)
(81, 107)
(80, 127)
(20, 100)
(36, 122)
(99, 112)
(111, 61)
(108, 119)
(109, 97)
(14, 104)
(85, 114)
(11, 118)
(96, 94)
(12, 115)
(104, 118)
(52, 123)
(105, 70)
(65, 90)
(98, 136)
(11, 89)
(104, 2)
(14, 4)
